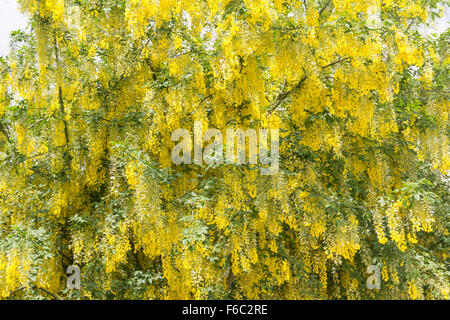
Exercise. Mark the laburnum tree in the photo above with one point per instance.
(92, 90)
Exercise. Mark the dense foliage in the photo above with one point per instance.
(91, 92)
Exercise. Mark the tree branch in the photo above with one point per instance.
(282, 96)
(60, 93)
(54, 296)
(5, 132)
(324, 7)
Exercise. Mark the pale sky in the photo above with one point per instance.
(11, 19)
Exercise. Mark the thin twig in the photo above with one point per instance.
(410, 24)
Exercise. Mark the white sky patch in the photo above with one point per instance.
(10, 19)
(438, 26)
